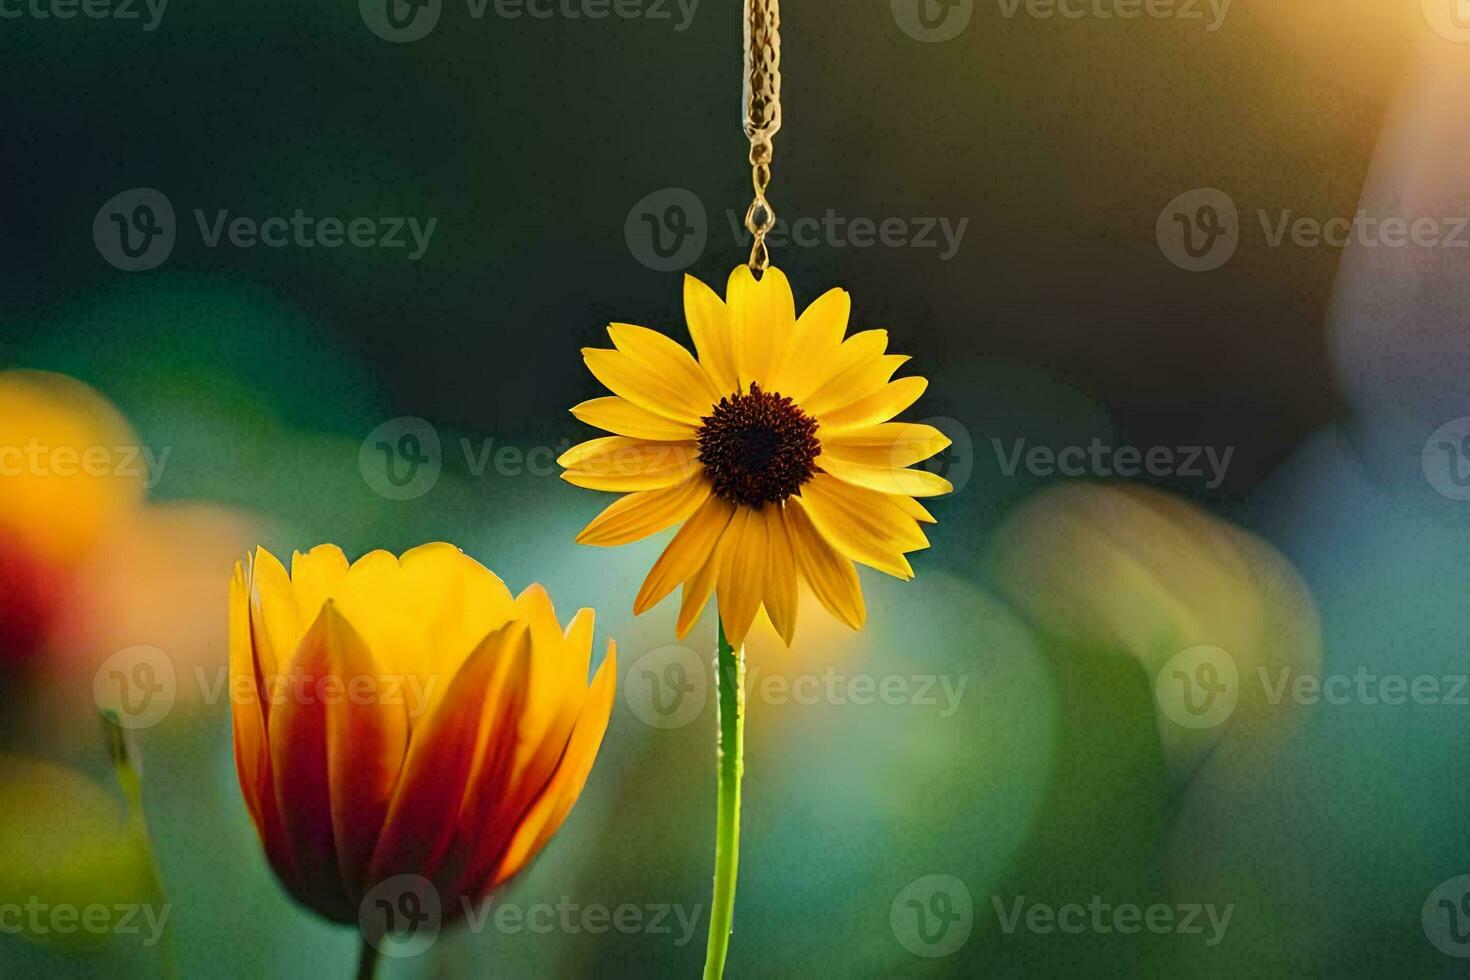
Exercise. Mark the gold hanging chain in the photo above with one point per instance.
(762, 117)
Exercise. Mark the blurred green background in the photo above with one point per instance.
(1054, 776)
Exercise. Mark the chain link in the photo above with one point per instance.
(762, 117)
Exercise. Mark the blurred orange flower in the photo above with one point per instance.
(61, 487)
(87, 567)
(406, 716)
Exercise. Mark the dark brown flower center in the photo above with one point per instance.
(757, 447)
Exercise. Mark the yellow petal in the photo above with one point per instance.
(862, 524)
(887, 479)
(891, 444)
(832, 577)
(637, 515)
(915, 509)
(709, 327)
(685, 554)
(252, 759)
(649, 390)
(742, 571)
(697, 590)
(814, 345)
(762, 320)
(861, 369)
(780, 590)
(665, 357)
(882, 405)
(626, 419)
(620, 463)
(275, 620)
(315, 576)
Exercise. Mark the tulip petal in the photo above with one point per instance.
(315, 577)
(546, 815)
(274, 617)
(466, 740)
(335, 757)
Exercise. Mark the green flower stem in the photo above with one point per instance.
(730, 752)
(367, 961)
(131, 781)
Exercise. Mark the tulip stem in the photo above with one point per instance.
(730, 753)
(126, 767)
(367, 961)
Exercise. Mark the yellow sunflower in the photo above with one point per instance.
(774, 450)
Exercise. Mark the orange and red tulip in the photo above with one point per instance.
(406, 716)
